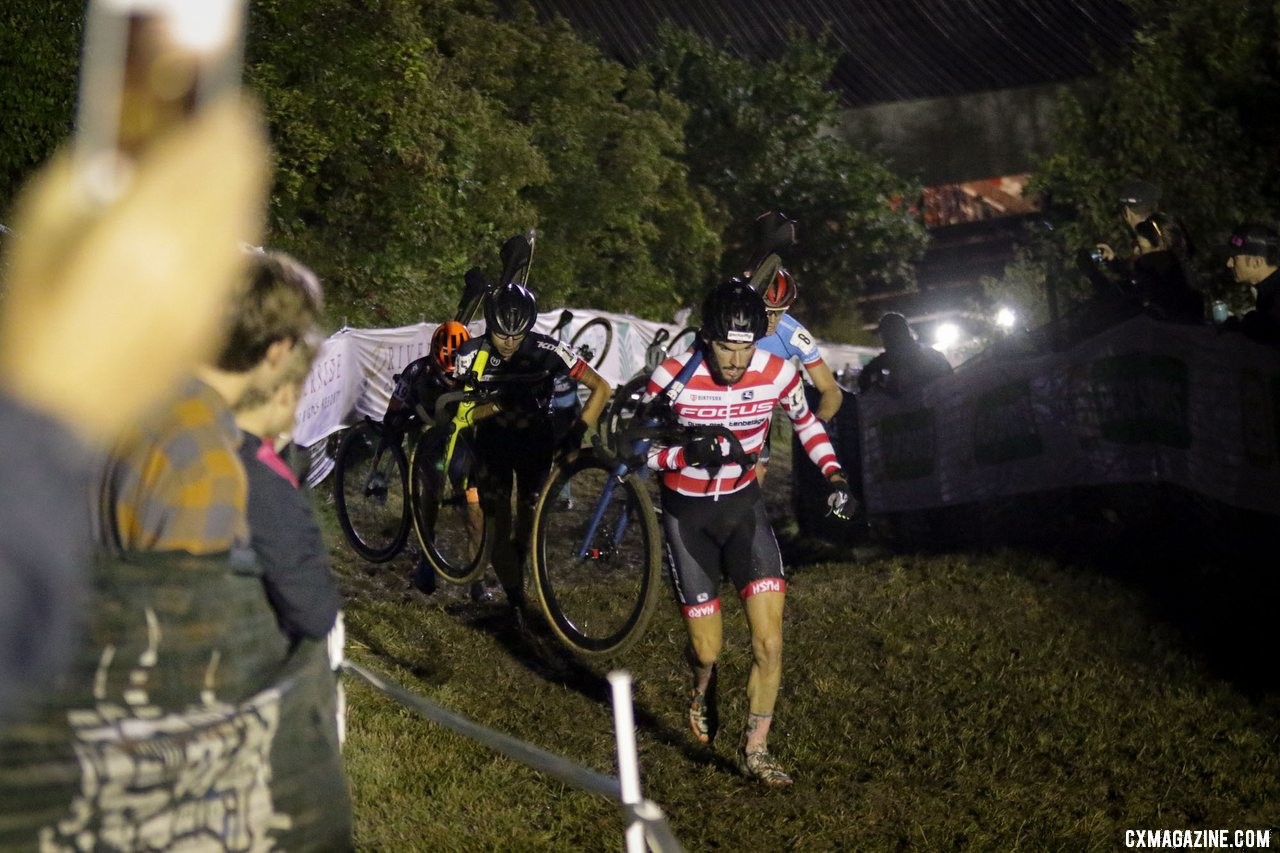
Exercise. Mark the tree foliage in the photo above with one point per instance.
(39, 61)
(413, 136)
(760, 137)
(1194, 108)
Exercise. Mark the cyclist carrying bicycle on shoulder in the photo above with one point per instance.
(713, 511)
(423, 380)
(418, 386)
(516, 436)
(786, 337)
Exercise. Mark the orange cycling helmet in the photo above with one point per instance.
(445, 342)
(781, 292)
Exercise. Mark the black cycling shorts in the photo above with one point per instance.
(708, 539)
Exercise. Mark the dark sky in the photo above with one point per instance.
(892, 50)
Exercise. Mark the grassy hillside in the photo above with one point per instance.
(1000, 701)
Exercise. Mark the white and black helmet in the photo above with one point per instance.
(733, 311)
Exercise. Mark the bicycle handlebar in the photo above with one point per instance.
(488, 390)
(673, 434)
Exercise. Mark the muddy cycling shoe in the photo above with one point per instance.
(698, 721)
(702, 712)
(764, 768)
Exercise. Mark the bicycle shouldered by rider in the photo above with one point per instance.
(713, 511)
(515, 435)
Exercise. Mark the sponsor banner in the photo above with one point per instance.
(352, 374)
(379, 355)
(327, 397)
(1144, 402)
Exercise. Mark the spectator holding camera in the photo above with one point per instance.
(1160, 278)
(1139, 200)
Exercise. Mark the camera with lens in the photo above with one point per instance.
(1096, 256)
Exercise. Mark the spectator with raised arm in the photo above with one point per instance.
(77, 276)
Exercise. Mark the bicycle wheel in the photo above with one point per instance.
(597, 336)
(597, 604)
(622, 408)
(454, 533)
(680, 343)
(369, 489)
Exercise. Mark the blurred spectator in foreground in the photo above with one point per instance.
(175, 483)
(1254, 258)
(76, 279)
(905, 364)
(283, 530)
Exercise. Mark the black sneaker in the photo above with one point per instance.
(424, 577)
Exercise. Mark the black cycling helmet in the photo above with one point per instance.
(510, 310)
(733, 312)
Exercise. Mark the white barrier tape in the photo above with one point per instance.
(517, 750)
(646, 812)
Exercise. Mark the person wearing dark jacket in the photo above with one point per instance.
(283, 531)
(904, 364)
(1254, 260)
(1156, 280)
(1161, 280)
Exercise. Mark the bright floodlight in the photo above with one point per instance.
(1005, 318)
(946, 335)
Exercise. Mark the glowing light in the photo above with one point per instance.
(946, 335)
(1005, 318)
(203, 25)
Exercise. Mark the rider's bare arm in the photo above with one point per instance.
(825, 381)
(810, 431)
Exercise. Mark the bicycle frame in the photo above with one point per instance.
(622, 469)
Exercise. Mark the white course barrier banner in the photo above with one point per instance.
(351, 377)
(352, 374)
(1144, 402)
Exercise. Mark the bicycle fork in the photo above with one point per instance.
(620, 529)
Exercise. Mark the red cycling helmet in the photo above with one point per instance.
(782, 291)
(445, 342)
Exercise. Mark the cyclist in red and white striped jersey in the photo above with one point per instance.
(713, 512)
